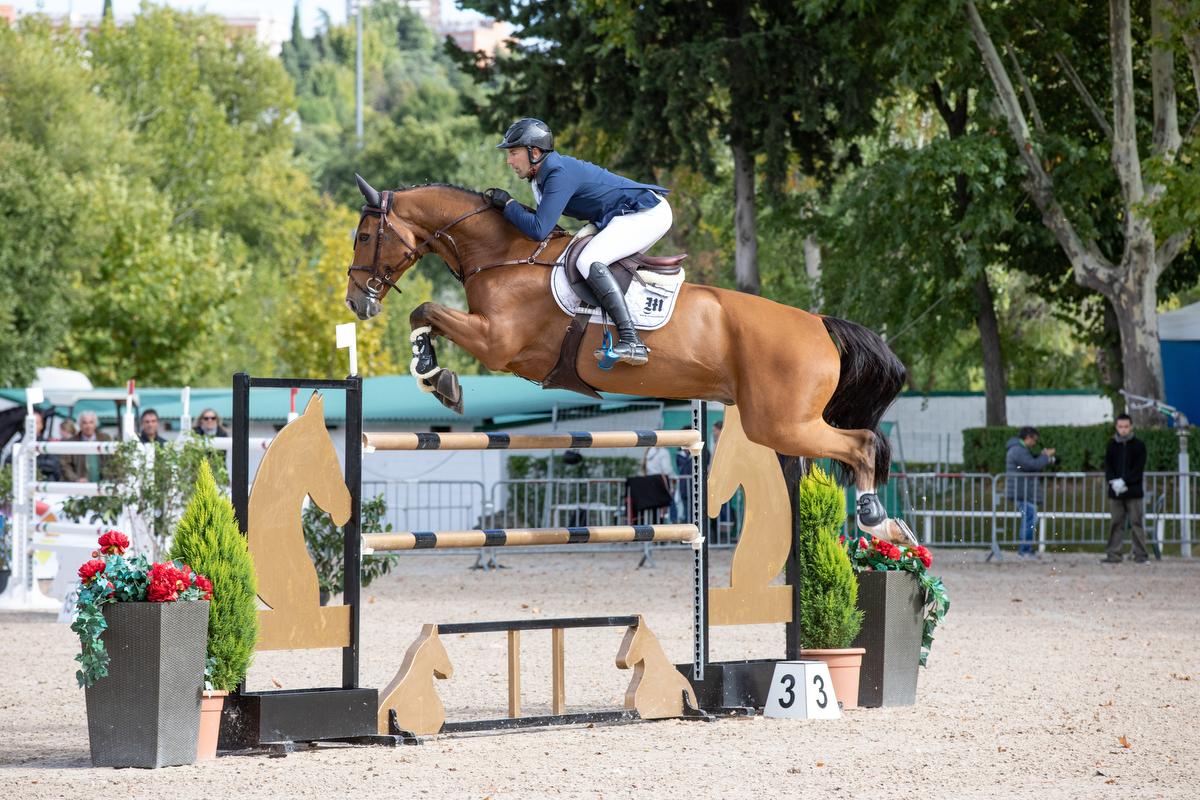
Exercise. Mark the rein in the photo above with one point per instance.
(376, 281)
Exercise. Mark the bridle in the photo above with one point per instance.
(381, 274)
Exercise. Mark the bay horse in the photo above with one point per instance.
(807, 385)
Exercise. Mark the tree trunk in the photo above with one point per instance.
(995, 382)
(1135, 303)
(745, 221)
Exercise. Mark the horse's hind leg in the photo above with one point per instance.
(854, 448)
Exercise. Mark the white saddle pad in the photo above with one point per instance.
(650, 306)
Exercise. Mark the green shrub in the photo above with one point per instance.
(829, 614)
(208, 540)
(1080, 448)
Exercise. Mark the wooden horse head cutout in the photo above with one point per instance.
(301, 461)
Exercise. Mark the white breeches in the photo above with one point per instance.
(626, 235)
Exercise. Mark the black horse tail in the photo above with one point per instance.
(871, 378)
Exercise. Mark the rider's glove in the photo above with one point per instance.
(498, 198)
(1118, 486)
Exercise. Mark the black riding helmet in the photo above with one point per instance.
(528, 133)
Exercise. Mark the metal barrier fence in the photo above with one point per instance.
(972, 509)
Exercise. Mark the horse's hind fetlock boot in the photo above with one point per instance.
(628, 347)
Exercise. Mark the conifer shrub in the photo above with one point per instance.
(209, 541)
(829, 615)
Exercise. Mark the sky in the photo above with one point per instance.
(277, 9)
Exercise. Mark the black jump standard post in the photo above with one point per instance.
(278, 719)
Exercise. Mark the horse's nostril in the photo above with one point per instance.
(350, 304)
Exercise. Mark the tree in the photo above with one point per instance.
(1126, 272)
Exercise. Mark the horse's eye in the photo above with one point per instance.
(362, 237)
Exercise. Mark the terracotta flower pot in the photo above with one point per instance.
(211, 704)
(844, 665)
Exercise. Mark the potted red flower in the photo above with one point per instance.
(902, 604)
(143, 631)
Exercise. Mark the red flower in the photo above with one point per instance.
(204, 585)
(90, 570)
(887, 549)
(925, 556)
(114, 543)
(166, 582)
(862, 543)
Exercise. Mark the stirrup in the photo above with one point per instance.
(609, 353)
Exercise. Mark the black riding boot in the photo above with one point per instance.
(628, 347)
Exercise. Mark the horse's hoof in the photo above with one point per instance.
(448, 391)
(870, 511)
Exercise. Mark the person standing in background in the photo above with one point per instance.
(1124, 467)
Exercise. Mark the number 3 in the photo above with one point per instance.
(819, 682)
(789, 682)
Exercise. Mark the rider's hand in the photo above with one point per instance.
(498, 198)
(1049, 451)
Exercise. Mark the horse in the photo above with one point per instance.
(412, 693)
(657, 689)
(807, 385)
(301, 461)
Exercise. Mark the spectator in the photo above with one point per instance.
(148, 428)
(657, 461)
(1023, 490)
(67, 430)
(83, 468)
(1124, 464)
(209, 424)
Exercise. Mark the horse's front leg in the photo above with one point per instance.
(469, 331)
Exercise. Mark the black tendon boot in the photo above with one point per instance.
(629, 347)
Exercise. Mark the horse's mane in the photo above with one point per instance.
(556, 232)
(453, 186)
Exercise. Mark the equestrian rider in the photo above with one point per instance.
(631, 217)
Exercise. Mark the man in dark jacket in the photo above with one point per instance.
(148, 432)
(1124, 465)
(1022, 486)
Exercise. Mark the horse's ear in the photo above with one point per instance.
(371, 196)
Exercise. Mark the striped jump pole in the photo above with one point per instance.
(530, 537)
(571, 440)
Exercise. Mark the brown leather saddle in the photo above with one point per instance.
(624, 270)
(565, 374)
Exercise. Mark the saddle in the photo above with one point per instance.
(624, 270)
(565, 374)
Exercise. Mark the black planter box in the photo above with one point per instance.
(146, 712)
(891, 633)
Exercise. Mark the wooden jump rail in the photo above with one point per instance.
(573, 440)
(529, 537)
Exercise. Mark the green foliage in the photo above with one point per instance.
(326, 544)
(1078, 448)
(535, 468)
(208, 540)
(155, 483)
(828, 591)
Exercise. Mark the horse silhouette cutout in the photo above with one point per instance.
(657, 688)
(412, 694)
(300, 462)
(766, 536)
(808, 385)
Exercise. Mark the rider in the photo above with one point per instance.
(631, 217)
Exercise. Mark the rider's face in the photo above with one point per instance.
(518, 159)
